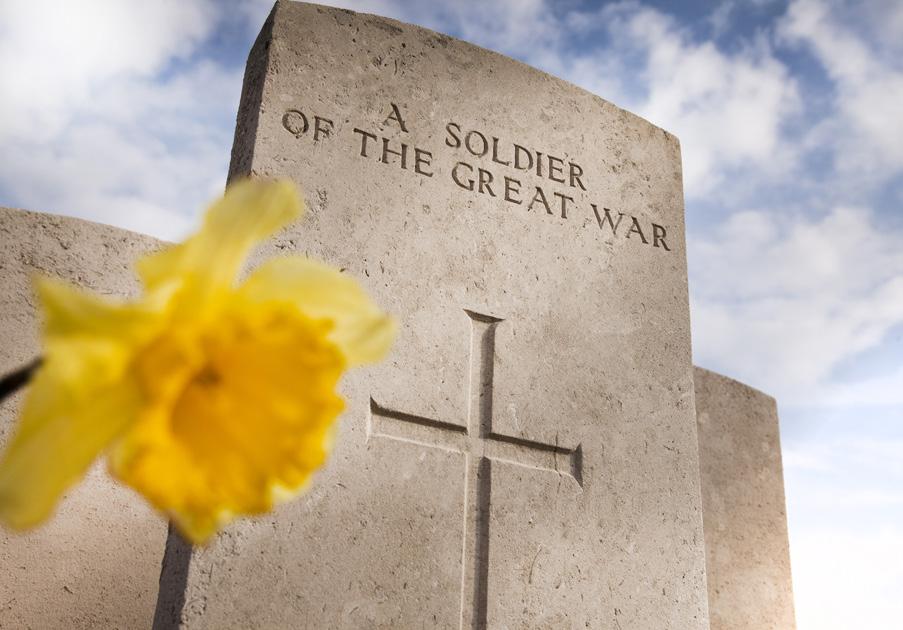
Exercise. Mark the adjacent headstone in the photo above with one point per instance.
(96, 563)
(747, 550)
(526, 457)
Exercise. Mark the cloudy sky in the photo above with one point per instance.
(791, 122)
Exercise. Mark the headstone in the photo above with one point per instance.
(96, 563)
(747, 550)
(526, 457)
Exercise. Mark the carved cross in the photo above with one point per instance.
(481, 447)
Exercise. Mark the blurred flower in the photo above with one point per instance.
(212, 400)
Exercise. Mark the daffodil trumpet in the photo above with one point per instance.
(212, 398)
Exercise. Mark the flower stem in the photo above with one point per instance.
(12, 382)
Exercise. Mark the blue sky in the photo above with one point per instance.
(789, 116)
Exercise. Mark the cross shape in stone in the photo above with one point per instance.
(481, 446)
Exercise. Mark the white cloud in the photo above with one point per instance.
(803, 460)
(781, 301)
(144, 156)
(866, 126)
(841, 457)
(728, 109)
(721, 16)
(846, 580)
(845, 500)
(522, 28)
(101, 123)
(54, 55)
(254, 12)
(882, 389)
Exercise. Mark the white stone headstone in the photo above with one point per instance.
(526, 457)
(96, 562)
(747, 548)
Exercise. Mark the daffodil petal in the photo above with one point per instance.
(361, 331)
(65, 424)
(210, 260)
(70, 311)
(78, 400)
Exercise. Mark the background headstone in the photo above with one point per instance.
(747, 549)
(96, 563)
(526, 457)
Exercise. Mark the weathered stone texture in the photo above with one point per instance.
(96, 563)
(747, 550)
(540, 332)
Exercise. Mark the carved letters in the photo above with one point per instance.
(486, 165)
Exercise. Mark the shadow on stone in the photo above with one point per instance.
(173, 582)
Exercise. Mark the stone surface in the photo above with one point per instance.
(527, 456)
(747, 550)
(96, 563)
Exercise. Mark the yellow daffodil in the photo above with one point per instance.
(210, 398)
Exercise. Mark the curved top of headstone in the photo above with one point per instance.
(452, 45)
(92, 255)
(710, 378)
(461, 69)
